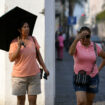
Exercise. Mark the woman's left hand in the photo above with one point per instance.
(47, 72)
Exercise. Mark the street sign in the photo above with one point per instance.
(72, 20)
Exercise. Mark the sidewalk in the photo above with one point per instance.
(65, 94)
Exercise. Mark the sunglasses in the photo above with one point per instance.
(87, 36)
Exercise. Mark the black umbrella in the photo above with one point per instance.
(9, 23)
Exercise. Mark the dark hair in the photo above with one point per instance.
(85, 28)
(60, 34)
(21, 23)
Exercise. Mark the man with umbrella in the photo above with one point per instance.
(24, 51)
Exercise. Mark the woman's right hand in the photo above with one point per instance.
(14, 55)
(80, 36)
(19, 42)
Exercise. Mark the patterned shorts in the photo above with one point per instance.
(23, 85)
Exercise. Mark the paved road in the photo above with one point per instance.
(64, 90)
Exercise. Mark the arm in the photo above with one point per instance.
(39, 58)
(41, 62)
(14, 55)
(101, 65)
(102, 55)
(72, 49)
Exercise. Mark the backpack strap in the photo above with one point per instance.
(33, 39)
(35, 46)
(95, 50)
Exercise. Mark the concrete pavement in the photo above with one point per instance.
(65, 94)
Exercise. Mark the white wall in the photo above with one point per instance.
(2, 6)
(47, 87)
(2, 77)
(2, 64)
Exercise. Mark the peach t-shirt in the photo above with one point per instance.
(25, 64)
(84, 58)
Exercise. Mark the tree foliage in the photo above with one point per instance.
(100, 16)
(72, 4)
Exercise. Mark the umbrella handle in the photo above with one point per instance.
(22, 43)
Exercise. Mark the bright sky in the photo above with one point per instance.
(78, 11)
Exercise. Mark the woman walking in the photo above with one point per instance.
(60, 40)
(26, 73)
(82, 50)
